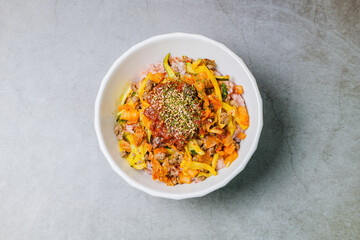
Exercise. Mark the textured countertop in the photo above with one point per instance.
(302, 183)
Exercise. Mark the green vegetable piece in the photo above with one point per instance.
(224, 92)
(167, 67)
(125, 96)
(193, 152)
(222, 78)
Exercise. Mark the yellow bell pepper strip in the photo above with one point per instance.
(231, 158)
(125, 96)
(222, 78)
(188, 153)
(196, 63)
(221, 125)
(214, 83)
(148, 134)
(186, 162)
(167, 67)
(208, 126)
(231, 126)
(216, 89)
(169, 151)
(199, 165)
(204, 174)
(214, 161)
(141, 89)
(229, 109)
(189, 68)
(192, 145)
(139, 153)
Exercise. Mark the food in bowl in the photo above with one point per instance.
(182, 122)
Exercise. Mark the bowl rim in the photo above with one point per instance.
(171, 195)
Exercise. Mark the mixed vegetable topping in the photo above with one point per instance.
(182, 122)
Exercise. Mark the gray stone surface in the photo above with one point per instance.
(302, 183)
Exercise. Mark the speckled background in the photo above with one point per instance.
(302, 183)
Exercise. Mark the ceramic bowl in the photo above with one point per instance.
(127, 68)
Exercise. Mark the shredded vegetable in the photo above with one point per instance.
(181, 122)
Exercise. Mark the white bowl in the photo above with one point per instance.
(128, 67)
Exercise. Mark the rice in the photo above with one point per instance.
(220, 164)
(153, 68)
(130, 128)
(230, 87)
(178, 65)
(239, 99)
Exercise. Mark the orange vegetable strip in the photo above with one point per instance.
(239, 89)
(241, 135)
(184, 179)
(231, 158)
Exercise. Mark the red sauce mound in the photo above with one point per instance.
(175, 112)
